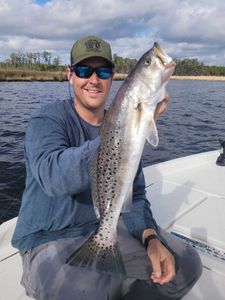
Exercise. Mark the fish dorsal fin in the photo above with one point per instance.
(93, 179)
(127, 204)
(152, 133)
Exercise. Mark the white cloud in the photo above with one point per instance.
(186, 28)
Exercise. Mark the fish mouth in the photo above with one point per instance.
(165, 59)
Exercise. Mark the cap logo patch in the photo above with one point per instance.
(93, 45)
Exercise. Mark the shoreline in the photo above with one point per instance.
(14, 75)
(32, 75)
(207, 78)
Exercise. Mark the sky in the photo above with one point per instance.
(183, 28)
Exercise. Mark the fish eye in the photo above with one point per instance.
(148, 61)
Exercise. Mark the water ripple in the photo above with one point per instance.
(193, 123)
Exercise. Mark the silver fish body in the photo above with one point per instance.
(129, 122)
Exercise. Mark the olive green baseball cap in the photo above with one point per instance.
(90, 46)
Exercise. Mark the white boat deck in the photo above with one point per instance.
(10, 265)
(187, 197)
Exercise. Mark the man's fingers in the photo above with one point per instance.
(167, 98)
(168, 272)
(156, 267)
(167, 277)
(162, 106)
(163, 263)
(163, 270)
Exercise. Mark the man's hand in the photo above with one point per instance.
(161, 106)
(163, 262)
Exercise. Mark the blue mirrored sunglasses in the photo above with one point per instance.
(86, 71)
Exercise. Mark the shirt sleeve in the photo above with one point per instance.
(140, 217)
(59, 168)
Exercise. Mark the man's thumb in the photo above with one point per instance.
(156, 269)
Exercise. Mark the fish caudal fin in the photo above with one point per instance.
(98, 257)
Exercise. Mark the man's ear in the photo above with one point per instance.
(113, 74)
(69, 75)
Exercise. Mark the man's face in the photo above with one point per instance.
(91, 93)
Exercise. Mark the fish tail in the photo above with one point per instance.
(95, 255)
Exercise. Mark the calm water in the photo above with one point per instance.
(193, 123)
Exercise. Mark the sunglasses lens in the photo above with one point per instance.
(83, 71)
(103, 72)
(86, 72)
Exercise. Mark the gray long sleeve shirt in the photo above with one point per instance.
(57, 201)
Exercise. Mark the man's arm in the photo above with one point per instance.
(59, 168)
(140, 217)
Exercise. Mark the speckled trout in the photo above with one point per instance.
(127, 125)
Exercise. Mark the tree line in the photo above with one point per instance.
(41, 61)
(44, 61)
(192, 67)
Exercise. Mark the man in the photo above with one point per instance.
(57, 213)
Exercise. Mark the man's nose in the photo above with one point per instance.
(94, 78)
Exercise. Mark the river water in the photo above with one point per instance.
(193, 123)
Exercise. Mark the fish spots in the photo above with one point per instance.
(108, 172)
(109, 162)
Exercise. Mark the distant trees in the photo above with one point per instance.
(33, 60)
(46, 57)
(123, 65)
(44, 61)
(56, 61)
(185, 67)
(192, 67)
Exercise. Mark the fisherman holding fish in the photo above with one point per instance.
(85, 229)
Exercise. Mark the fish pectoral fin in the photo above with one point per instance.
(141, 107)
(152, 133)
(138, 109)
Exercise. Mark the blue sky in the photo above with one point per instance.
(41, 1)
(184, 28)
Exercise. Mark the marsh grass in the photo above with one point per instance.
(212, 78)
(16, 74)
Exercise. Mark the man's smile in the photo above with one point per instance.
(95, 91)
